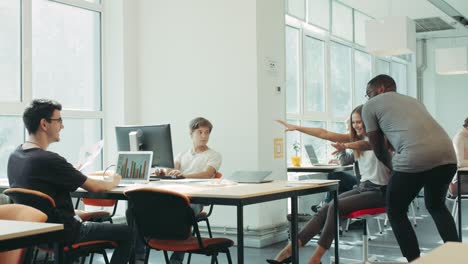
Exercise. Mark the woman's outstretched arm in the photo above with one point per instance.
(317, 132)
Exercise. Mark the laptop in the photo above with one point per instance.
(134, 166)
(250, 176)
(313, 156)
(311, 153)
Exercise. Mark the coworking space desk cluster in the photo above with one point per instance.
(239, 195)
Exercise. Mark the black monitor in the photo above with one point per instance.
(156, 138)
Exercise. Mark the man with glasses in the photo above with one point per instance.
(31, 166)
(423, 156)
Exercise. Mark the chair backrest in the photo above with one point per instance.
(161, 214)
(99, 202)
(218, 175)
(35, 199)
(22, 213)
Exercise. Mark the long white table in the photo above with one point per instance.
(239, 195)
(20, 234)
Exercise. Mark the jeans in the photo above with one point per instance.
(403, 188)
(102, 231)
(347, 181)
(361, 197)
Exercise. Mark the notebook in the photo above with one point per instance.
(134, 166)
(250, 176)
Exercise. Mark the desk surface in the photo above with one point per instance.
(15, 229)
(203, 192)
(320, 168)
(465, 169)
(450, 252)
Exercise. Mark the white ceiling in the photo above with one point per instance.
(413, 9)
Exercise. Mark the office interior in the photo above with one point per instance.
(241, 64)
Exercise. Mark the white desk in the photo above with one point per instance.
(238, 195)
(10, 229)
(450, 253)
(320, 168)
(20, 234)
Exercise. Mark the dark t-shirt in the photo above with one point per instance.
(48, 172)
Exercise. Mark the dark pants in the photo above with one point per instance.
(403, 188)
(364, 196)
(347, 182)
(114, 232)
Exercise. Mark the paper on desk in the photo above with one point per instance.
(311, 181)
(88, 154)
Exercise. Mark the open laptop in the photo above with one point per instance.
(134, 166)
(313, 156)
(250, 176)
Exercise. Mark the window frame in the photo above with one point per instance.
(16, 109)
(309, 30)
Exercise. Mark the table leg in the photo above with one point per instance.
(337, 225)
(460, 237)
(58, 253)
(295, 250)
(240, 234)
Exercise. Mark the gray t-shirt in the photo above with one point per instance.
(420, 142)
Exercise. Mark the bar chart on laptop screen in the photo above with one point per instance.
(132, 166)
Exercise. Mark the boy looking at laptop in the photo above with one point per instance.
(31, 166)
(199, 161)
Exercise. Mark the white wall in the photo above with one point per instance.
(120, 89)
(445, 95)
(209, 59)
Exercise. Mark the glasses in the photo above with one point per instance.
(60, 120)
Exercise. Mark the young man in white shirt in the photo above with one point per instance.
(199, 161)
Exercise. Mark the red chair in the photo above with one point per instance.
(46, 204)
(23, 213)
(365, 214)
(96, 216)
(165, 221)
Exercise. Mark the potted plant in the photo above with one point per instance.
(296, 160)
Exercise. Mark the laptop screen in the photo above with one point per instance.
(134, 165)
(311, 153)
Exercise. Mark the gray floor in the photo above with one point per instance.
(383, 246)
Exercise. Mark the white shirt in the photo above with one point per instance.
(372, 169)
(460, 143)
(191, 162)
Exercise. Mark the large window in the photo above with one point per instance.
(314, 75)
(62, 43)
(10, 50)
(327, 70)
(340, 69)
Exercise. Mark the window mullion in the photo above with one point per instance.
(26, 51)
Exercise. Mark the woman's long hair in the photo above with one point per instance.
(352, 132)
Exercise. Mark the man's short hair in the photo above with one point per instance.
(466, 123)
(39, 109)
(383, 80)
(200, 122)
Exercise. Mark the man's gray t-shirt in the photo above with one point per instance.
(420, 143)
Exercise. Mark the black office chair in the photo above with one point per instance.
(165, 220)
(46, 204)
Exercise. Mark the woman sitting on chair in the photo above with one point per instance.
(370, 193)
